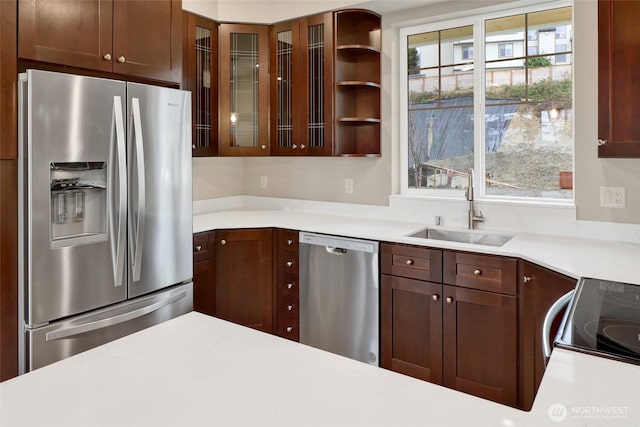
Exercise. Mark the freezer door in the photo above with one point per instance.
(60, 340)
(73, 194)
(160, 201)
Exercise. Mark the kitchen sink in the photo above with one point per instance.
(476, 238)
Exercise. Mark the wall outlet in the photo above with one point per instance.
(612, 197)
(263, 181)
(348, 185)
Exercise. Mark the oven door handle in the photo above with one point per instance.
(556, 308)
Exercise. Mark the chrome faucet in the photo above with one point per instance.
(473, 217)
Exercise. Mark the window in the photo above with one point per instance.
(532, 35)
(504, 109)
(467, 51)
(505, 50)
(561, 32)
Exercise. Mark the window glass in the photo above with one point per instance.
(440, 114)
(526, 116)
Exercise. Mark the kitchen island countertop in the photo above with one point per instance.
(197, 370)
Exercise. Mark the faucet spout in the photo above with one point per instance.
(473, 217)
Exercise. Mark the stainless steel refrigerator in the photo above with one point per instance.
(106, 211)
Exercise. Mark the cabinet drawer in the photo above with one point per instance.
(288, 328)
(204, 246)
(413, 262)
(288, 285)
(287, 241)
(482, 272)
(287, 307)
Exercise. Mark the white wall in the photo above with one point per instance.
(376, 179)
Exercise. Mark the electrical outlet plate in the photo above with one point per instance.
(612, 197)
(263, 181)
(348, 185)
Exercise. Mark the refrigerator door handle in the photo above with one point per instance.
(136, 242)
(110, 321)
(118, 235)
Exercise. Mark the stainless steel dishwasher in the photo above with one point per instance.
(339, 295)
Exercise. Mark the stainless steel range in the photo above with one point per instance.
(603, 319)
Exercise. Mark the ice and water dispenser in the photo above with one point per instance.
(78, 203)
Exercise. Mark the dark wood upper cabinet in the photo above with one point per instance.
(618, 85)
(301, 86)
(244, 90)
(135, 38)
(200, 76)
(357, 83)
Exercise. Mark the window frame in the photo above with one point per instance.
(478, 21)
(502, 50)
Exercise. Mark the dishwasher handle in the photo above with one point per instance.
(335, 251)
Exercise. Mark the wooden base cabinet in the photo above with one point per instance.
(539, 289)
(204, 273)
(244, 278)
(457, 336)
(480, 343)
(411, 327)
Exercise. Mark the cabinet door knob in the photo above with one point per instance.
(121, 59)
(449, 300)
(477, 272)
(198, 248)
(526, 279)
(193, 146)
(289, 263)
(294, 146)
(289, 307)
(289, 285)
(302, 146)
(289, 242)
(107, 56)
(289, 328)
(602, 142)
(435, 297)
(264, 147)
(409, 262)
(223, 242)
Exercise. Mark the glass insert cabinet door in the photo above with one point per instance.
(244, 89)
(200, 76)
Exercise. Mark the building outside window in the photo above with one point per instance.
(505, 50)
(467, 51)
(505, 109)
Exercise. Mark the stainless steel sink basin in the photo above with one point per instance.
(476, 238)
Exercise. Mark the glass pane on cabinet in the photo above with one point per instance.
(202, 91)
(244, 95)
(284, 52)
(316, 85)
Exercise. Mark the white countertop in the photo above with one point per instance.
(574, 257)
(197, 370)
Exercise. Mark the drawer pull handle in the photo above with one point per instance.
(289, 263)
(526, 279)
(435, 297)
(289, 328)
(289, 242)
(409, 262)
(289, 285)
(449, 300)
(198, 248)
(477, 272)
(223, 242)
(289, 307)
